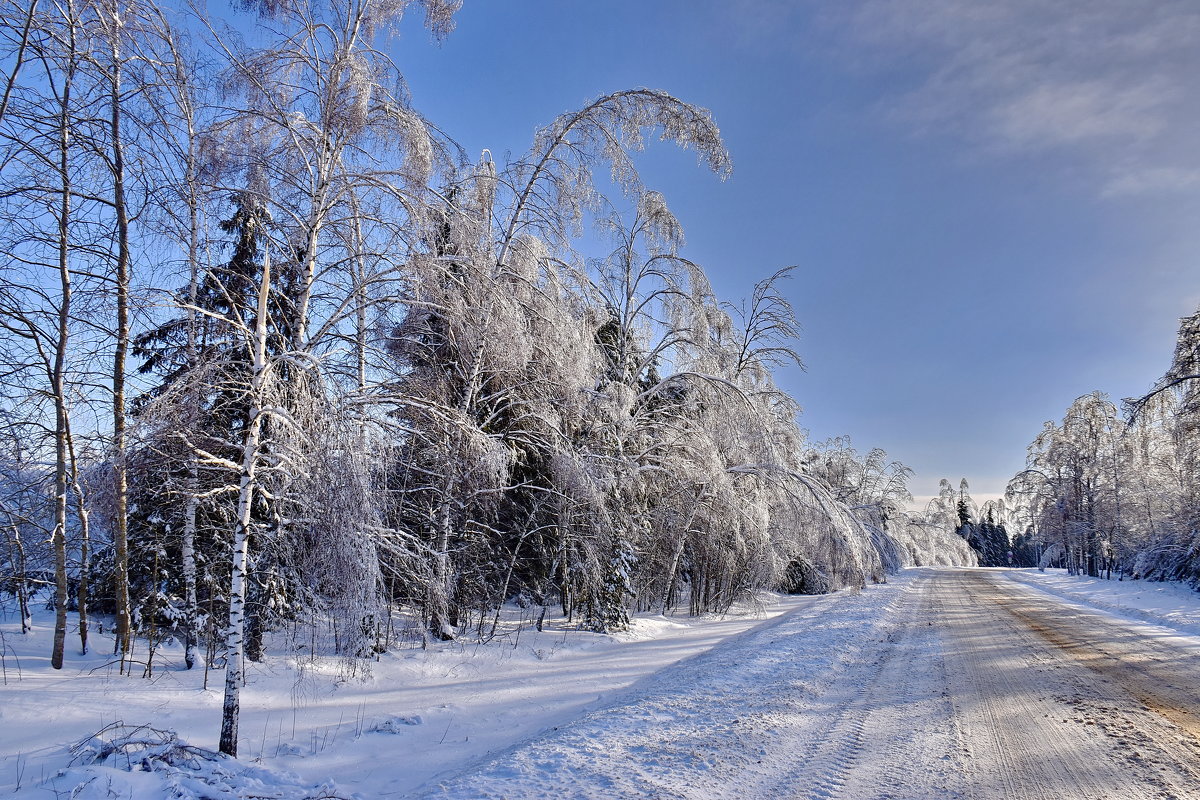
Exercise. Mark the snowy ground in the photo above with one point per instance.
(432, 712)
(942, 683)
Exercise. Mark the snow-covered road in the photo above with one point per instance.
(948, 683)
(1054, 700)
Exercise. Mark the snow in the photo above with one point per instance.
(532, 714)
(1167, 603)
(439, 710)
(754, 718)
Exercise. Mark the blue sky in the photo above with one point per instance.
(992, 206)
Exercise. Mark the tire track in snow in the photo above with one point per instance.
(1044, 720)
(1143, 667)
(984, 691)
(801, 708)
(935, 686)
(878, 722)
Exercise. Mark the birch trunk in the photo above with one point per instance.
(308, 269)
(235, 636)
(183, 92)
(187, 555)
(441, 603)
(124, 631)
(187, 549)
(677, 554)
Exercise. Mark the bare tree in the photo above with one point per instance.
(40, 124)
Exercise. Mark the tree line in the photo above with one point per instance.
(1116, 492)
(278, 355)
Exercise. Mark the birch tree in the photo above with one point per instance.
(503, 229)
(253, 327)
(317, 105)
(49, 237)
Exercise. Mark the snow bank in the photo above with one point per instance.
(145, 762)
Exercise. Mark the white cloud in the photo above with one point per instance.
(1111, 83)
(1072, 112)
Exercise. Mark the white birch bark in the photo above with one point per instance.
(235, 633)
(187, 550)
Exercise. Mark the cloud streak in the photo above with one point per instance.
(1111, 83)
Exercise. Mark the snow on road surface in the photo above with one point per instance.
(1054, 700)
(947, 683)
(943, 683)
(829, 699)
(1167, 603)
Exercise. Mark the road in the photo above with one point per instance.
(949, 684)
(1055, 701)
